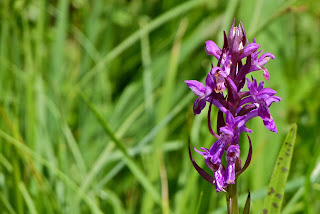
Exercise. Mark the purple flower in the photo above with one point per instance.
(204, 93)
(262, 98)
(258, 63)
(233, 156)
(220, 75)
(212, 49)
(224, 84)
(212, 157)
(201, 91)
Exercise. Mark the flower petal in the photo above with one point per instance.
(226, 131)
(215, 70)
(212, 49)
(219, 179)
(220, 84)
(272, 99)
(233, 154)
(264, 58)
(198, 105)
(252, 47)
(252, 86)
(196, 87)
(205, 154)
(269, 124)
(210, 84)
(266, 74)
(267, 91)
(263, 111)
(261, 84)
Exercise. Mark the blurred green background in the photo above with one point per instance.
(95, 116)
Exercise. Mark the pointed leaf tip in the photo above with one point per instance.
(246, 209)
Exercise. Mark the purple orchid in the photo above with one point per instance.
(201, 91)
(262, 98)
(227, 139)
(237, 105)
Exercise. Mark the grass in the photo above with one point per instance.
(95, 116)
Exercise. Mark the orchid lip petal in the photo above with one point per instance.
(270, 124)
(219, 179)
(198, 105)
(266, 74)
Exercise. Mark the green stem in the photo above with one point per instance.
(232, 199)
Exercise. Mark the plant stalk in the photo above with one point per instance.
(232, 198)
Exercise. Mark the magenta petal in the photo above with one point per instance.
(252, 86)
(269, 124)
(210, 84)
(261, 84)
(226, 131)
(212, 49)
(215, 70)
(233, 153)
(239, 121)
(198, 105)
(264, 58)
(205, 154)
(229, 118)
(230, 174)
(267, 91)
(197, 87)
(272, 99)
(266, 74)
(263, 111)
(249, 50)
(219, 179)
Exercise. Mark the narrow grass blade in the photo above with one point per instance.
(6, 205)
(27, 198)
(308, 181)
(28, 153)
(199, 202)
(136, 171)
(277, 185)
(164, 18)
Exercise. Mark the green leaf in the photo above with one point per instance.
(277, 185)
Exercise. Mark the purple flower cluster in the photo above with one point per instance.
(223, 89)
